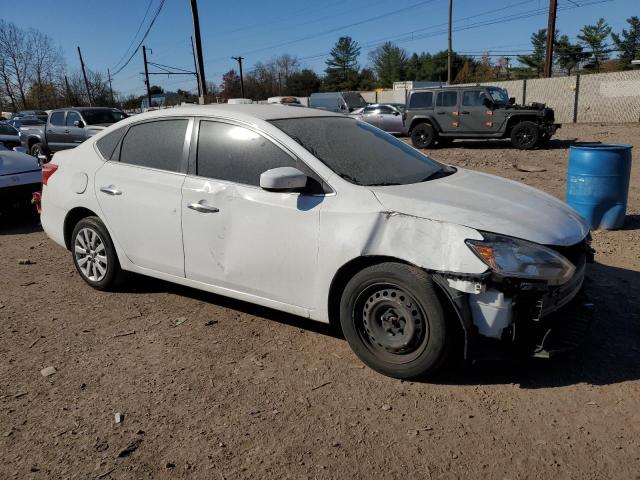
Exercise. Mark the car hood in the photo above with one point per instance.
(489, 203)
(17, 162)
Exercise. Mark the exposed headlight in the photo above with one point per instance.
(512, 257)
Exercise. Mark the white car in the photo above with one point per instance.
(323, 216)
(20, 178)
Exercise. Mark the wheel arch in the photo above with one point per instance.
(419, 120)
(71, 220)
(355, 265)
(516, 119)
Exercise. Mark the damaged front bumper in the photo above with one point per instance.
(525, 315)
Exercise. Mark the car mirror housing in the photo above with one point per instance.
(283, 178)
(487, 103)
(79, 123)
(512, 100)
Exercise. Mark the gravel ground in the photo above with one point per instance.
(214, 388)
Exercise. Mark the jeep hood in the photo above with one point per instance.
(490, 203)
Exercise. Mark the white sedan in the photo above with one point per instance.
(323, 216)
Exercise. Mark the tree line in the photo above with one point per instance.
(33, 73)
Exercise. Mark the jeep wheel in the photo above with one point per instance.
(423, 136)
(525, 135)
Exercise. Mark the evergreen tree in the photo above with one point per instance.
(535, 60)
(303, 83)
(389, 63)
(628, 42)
(342, 66)
(594, 37)
(568, 55)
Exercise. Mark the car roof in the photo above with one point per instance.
(81, 109)
(246, 112)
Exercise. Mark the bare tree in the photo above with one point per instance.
(15, 47)
(46, 67)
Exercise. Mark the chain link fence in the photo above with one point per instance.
(601, 97)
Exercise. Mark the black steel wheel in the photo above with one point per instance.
(394, 322)
(423, 136)
(525, 135)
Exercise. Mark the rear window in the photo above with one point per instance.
(99, 117)
(108, 143)
(7, 130)
(421, 100)
(447, 99)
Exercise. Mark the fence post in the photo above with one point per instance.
(524, 91)
(575, 100)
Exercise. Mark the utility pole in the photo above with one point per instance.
(146, 74)
(113, 103)
(200, 69)
(195, 65)
(450, 48)
(66, 83)
(86, 82)
(279, 83)
(239, 59)
(551, 33)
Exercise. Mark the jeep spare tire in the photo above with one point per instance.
(423, 136)
(525, 135)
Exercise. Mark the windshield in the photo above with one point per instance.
(99, 117)
(359, 152)
(499, 95)
(7, 130)
(354, 100)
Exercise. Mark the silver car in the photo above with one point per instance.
(386, 116)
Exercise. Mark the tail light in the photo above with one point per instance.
(48, 169)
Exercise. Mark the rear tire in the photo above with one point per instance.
(393, 320)
(94, 255)
(525, 135)
(423, 136)
(37, 149)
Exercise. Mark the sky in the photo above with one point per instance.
(109, 31)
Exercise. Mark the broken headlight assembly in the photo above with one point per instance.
(512, 257)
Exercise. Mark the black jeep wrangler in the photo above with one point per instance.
(442, 114)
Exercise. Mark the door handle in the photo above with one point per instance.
(110, 190)
(441, 113)
(202, 208)
(464, 113)
(66, 131)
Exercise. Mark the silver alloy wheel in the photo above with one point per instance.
(90, 254)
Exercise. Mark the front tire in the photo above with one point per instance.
(525, 135)
(94, 255)
(423, 136)
(393, 320)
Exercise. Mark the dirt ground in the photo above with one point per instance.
(215, 388)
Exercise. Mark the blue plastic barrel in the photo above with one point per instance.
(598, 183)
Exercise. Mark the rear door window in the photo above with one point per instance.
(158, 144)
(472, 98)
(447, 99)
(57, 118)
(421, 100)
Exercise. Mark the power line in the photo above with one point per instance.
(134, 37)
(336, 29)
(155, 16)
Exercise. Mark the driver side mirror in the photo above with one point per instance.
(487, 103)
(283, 178)
(396, 113)
(79, 123)
(512, 100)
